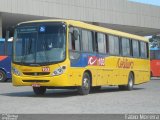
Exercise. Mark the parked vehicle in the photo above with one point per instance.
(5, 59)
(155, 62)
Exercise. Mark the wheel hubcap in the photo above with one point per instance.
(1, 76)
(131, 82)
(86, 83)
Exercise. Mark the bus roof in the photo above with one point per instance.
(93, 27)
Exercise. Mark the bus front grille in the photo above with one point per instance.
(36, 81)
(36, 73)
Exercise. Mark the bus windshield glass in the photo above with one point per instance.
(39, 43)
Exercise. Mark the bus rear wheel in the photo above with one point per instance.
(130, 84)
(86, 85)
(39, 90)
(2, 76)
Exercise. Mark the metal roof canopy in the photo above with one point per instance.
(11, 19)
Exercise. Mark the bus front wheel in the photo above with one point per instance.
(2, 76)
(86, 85)
(39, 90)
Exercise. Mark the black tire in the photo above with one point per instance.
(96, 88)
(86, 85)
(130, 84)
(2, 76)
(39, 90)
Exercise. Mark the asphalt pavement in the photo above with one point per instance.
(145, 98)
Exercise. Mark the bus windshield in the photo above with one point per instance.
(39, 44)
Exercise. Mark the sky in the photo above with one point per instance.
(152, 2)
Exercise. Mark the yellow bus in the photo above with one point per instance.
(72, 54)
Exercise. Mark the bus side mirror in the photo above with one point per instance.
(75, 35)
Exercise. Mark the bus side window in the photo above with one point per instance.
(101, 39)
(126, 47)
(135, 48)
(143, 50)
(87, 41)
(90, 39)
(74, 44)
(114, 45)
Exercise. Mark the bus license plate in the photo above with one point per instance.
(36, 85)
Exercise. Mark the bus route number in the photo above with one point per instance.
(45, 69)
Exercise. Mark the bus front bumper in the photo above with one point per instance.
(55, 81)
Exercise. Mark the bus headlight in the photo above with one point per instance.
(59, 71)
(16, 72)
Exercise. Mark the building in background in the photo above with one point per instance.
(125, 15)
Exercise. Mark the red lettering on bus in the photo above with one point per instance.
(125, 63)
